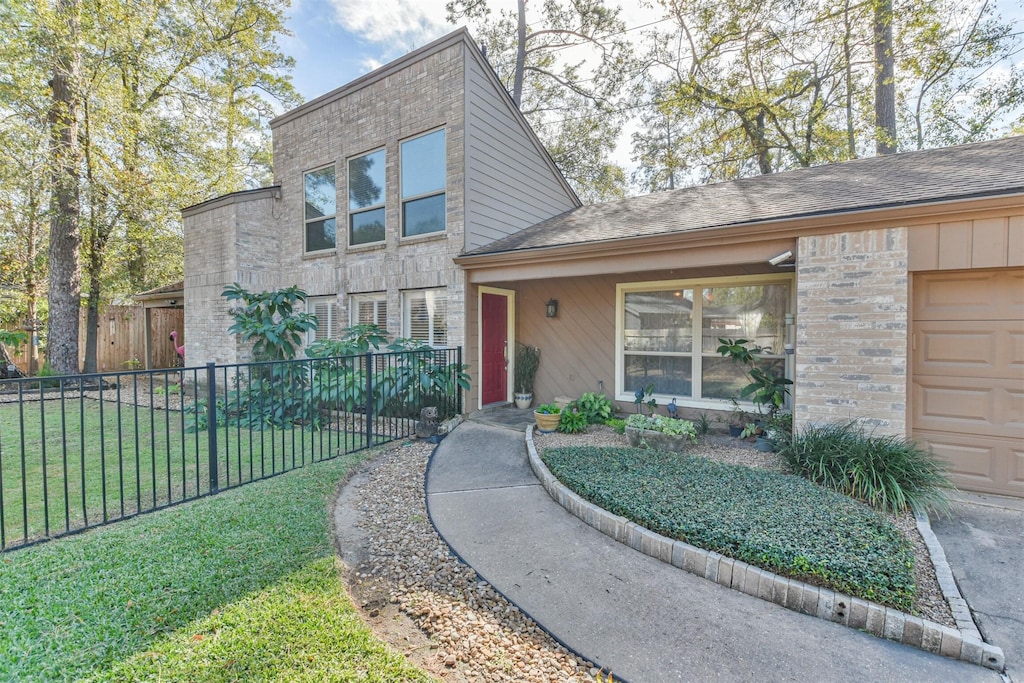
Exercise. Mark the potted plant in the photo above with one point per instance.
(737, 419)
(548, 416)
(768, 392)
(659, 432)
(527, 360)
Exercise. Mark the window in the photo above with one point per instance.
(668, 334)
(325, 308)
(425, 316)
(424, 180)
(369, 309)
(320, 201)
(366, 198)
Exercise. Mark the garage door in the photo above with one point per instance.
(968, 375)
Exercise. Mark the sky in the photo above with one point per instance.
(336, 41)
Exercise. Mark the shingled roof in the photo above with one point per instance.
(974, 170)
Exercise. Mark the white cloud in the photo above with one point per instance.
(396, 25)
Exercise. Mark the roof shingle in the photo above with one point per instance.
(995, 167)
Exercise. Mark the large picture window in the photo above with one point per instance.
(366, 198)
(424, 180)
(425, 316)
(668, 334)
(319, 204)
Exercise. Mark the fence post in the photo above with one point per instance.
(211, 423)
(369, 398)
(458, 389)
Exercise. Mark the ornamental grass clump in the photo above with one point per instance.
(887, 472)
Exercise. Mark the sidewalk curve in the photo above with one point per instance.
(640, 618)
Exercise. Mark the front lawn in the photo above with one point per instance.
(780, 522)
(106, 460)
(239, 586)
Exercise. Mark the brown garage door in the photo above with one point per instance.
(968, 375)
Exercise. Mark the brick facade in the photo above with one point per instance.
(851, 329)
(258, 240)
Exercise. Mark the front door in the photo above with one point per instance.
(494, 351)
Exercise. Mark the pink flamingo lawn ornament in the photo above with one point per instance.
(180, 350)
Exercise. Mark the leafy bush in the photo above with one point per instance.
(665, 425)
(887, 472)
(616, 423)
(527, 362)
(573, 420)
(548, 409)
(780, 522)
(596, 407)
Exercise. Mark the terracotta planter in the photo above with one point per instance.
(547, 423)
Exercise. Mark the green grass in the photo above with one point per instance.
(240, 586)
(117, 460)
(779, 522)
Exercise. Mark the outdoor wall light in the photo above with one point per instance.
(552, 308)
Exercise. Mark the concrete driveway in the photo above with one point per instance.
(983, 538)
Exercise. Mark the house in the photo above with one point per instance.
(890, 289)
(378, 185)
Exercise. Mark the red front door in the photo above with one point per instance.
(494, 351)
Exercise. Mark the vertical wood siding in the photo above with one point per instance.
(509, 183)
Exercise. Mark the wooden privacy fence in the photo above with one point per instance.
(121, 338)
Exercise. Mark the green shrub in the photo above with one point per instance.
(886, 472)
(596, 407)
(780, 522)
(616, 423)
(548, 409)
(665, 425)
(573, 420)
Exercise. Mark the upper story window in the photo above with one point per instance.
(319, 209)
(424, 180)
(366, 198)
(668, 334)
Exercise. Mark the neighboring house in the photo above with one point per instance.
(902, 298)
(378, 186)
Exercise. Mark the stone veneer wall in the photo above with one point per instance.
(851, 329)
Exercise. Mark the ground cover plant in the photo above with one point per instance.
(780, 522)
(116, 461)
(241, 586)
(887, 472)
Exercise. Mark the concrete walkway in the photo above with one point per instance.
(640, 618)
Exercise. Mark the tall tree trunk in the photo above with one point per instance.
(885, 80)
(65, 233)
(517, 82)
(851, 139)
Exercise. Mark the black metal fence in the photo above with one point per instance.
(82, 451)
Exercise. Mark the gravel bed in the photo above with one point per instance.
(405, 579)
(430, 606)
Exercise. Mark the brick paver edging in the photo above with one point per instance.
(963, 643)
